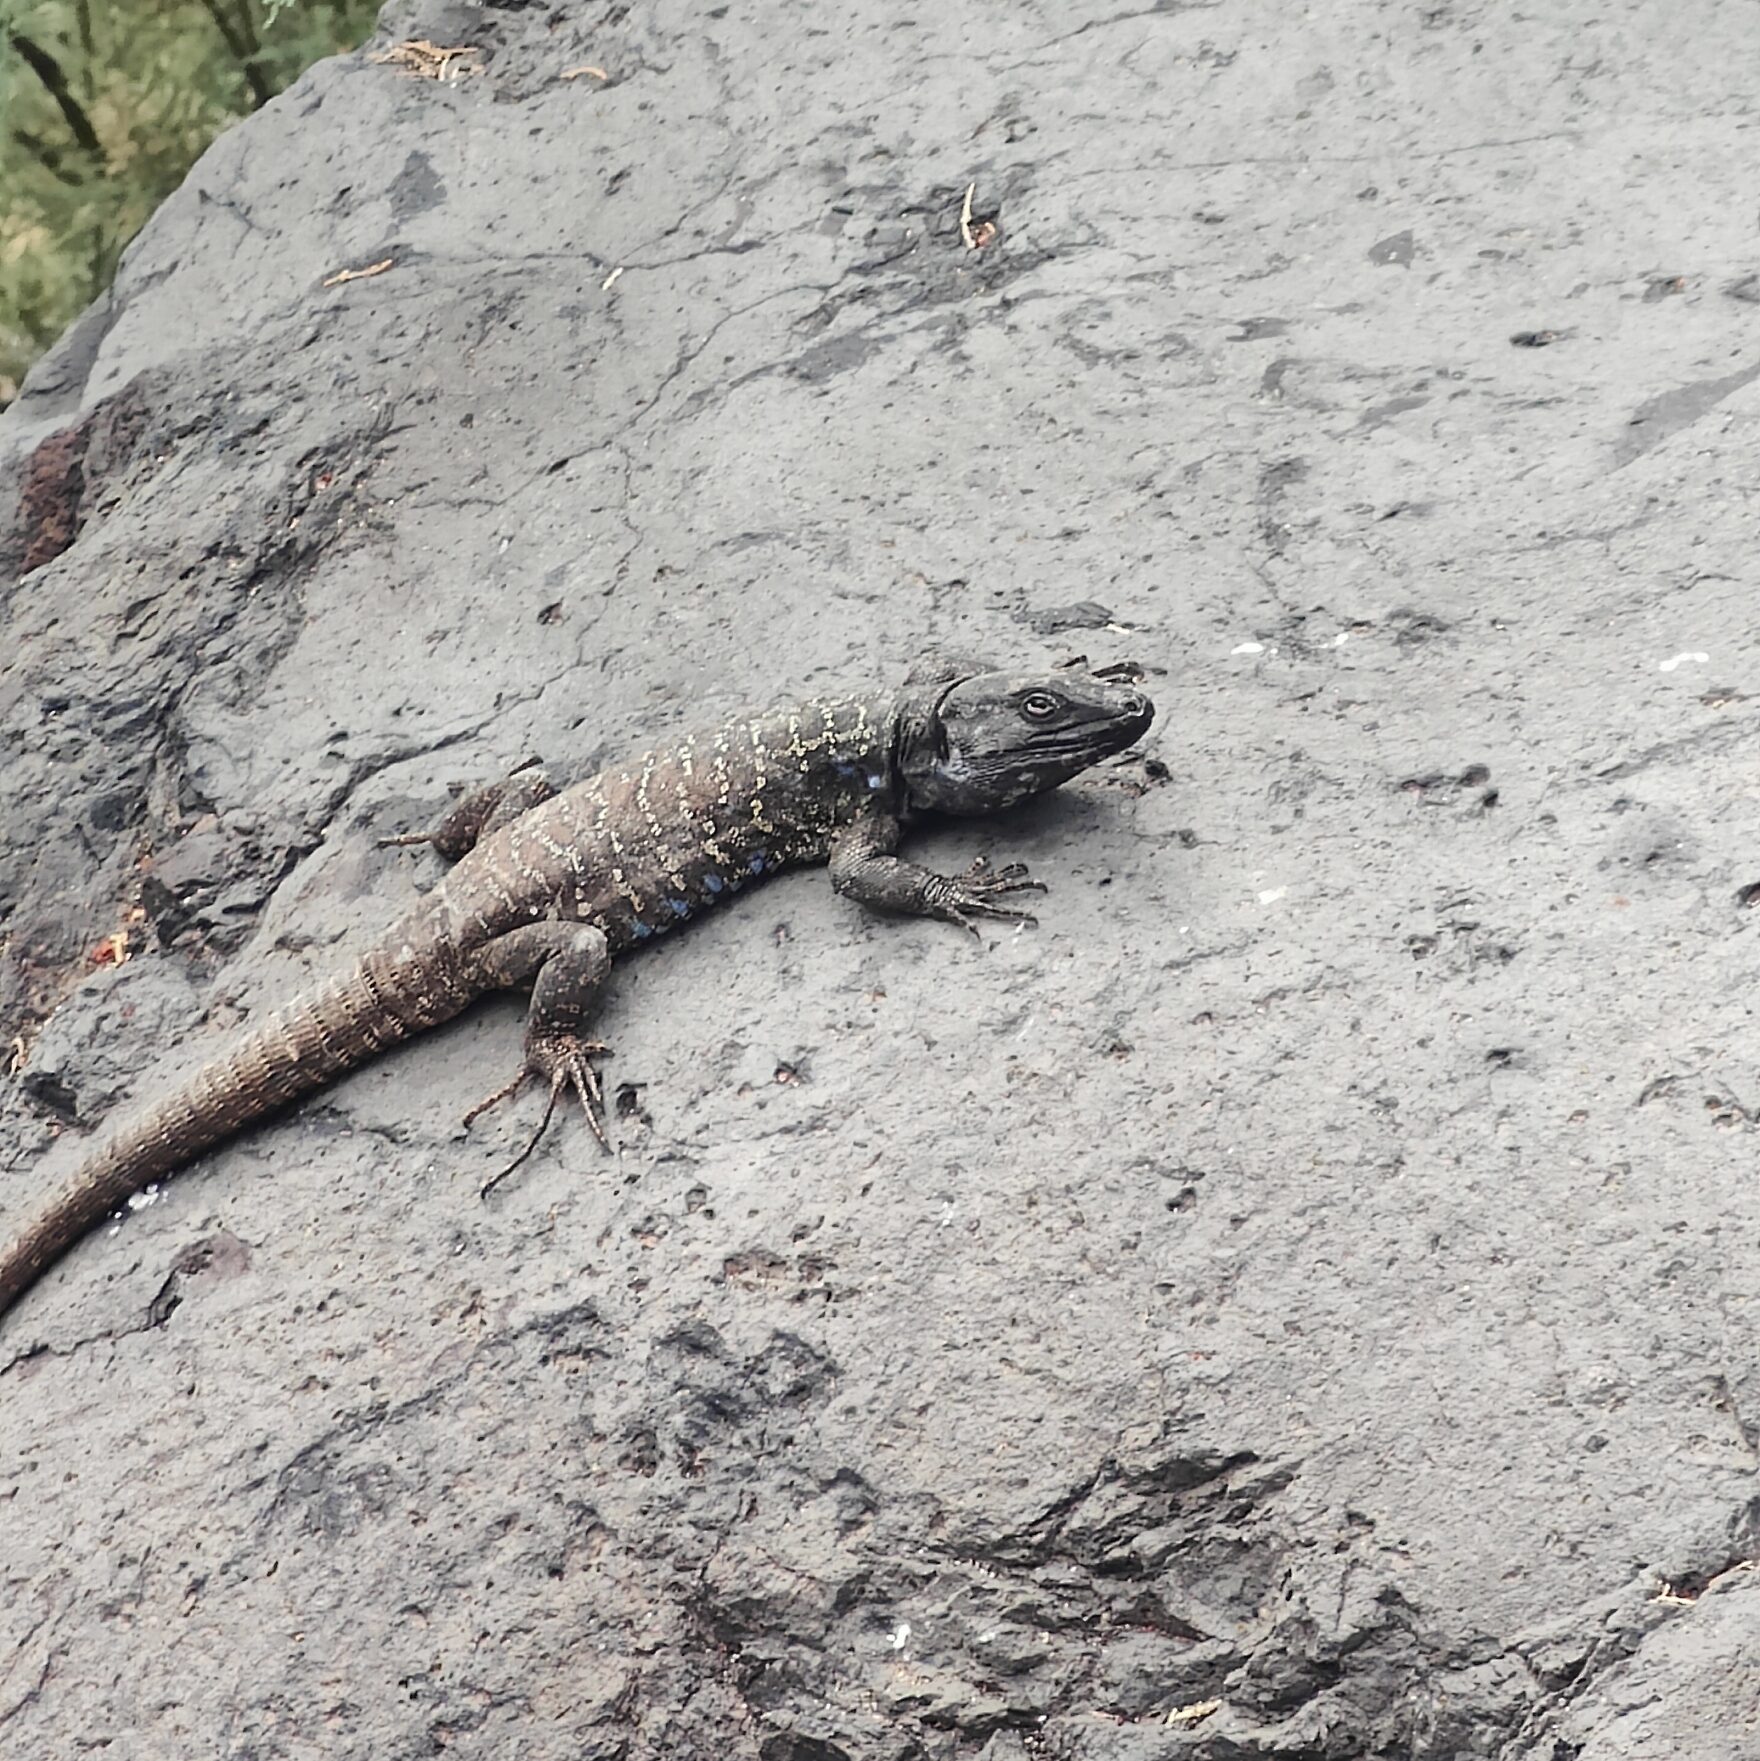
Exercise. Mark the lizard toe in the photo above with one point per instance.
(561, 1060)
(565, 1059)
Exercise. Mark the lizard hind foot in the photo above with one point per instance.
(562, 1060)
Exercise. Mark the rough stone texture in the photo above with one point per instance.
(1315, 1277)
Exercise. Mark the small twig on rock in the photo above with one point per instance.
(343, 275)
(417, 58)
(597, 73)
(1195, 1713)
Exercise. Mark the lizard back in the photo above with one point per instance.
(643, 847)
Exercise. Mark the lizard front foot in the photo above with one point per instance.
(561, 1060)
(962, 897)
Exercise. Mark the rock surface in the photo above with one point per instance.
(1304, 1300)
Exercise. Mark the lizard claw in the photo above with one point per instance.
(562, 1059)
(974, 894)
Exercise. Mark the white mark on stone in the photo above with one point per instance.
(901, 1635)
(1668, 666)
(1248, 648)
(1272, 894)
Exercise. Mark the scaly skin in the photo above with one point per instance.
(548, 887)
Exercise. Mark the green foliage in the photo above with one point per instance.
(104, 105)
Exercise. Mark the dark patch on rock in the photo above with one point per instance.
(1661, 287)
(1276, 479)
(416, 189)
(1381, 414)
(217, 1258)
(1395, 250)
(1660, 416)
(1051, 620)
(208, 885)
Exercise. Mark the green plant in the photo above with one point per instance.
(104, 106)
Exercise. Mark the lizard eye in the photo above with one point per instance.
(1040, 706)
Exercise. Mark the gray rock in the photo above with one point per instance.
(1299, 1301)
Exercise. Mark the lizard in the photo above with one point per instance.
(546, 887)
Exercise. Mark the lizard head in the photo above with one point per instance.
(980, 742)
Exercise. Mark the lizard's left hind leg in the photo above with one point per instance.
(569, 963)
(482, 813)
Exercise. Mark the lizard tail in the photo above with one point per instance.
(392, 992)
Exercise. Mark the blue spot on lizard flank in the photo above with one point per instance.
(641, 931)
(679, 907)
(756, 865)
(712, 883)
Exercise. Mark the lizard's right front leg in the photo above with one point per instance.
(482, 813)
(863, 867)
(568, 963)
